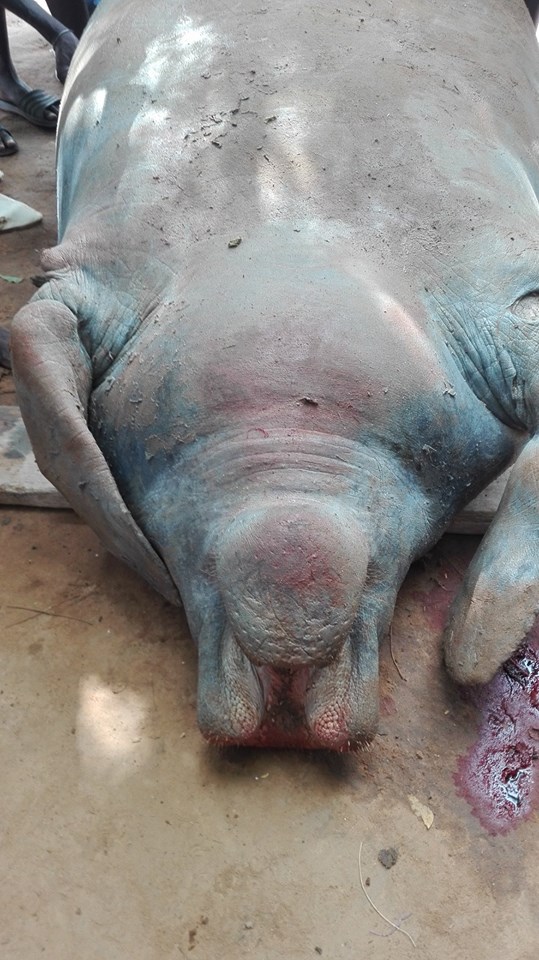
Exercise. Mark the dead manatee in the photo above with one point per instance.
(291, 326)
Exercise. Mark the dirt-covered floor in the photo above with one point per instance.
(125, 836)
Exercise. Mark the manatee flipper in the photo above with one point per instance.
(499, 598)
(53, 375)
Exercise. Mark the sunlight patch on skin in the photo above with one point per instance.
(286, 150)
(396, 313)
(186, 43)
(95, 102)
(110, 723)
(150, 120)
(406, 329)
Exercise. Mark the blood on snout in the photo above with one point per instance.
(291, 577)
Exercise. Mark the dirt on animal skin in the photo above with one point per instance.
(124, 835)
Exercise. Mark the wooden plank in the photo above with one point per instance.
(22, 483)
(476, 517)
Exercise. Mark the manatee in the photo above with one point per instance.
(291, 326)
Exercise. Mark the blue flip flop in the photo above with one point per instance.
(32, 107)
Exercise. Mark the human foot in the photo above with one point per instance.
(7, 143)
(36, 106)
(64, 47)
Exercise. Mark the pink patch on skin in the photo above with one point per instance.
(274, 738)
(284, 725)
(498, 776)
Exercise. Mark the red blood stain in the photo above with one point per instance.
(285, 725)
(388, 707)
(498, 776)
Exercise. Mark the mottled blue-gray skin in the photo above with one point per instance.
(272, 430)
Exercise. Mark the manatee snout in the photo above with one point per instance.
(290, 671)
(291, 577)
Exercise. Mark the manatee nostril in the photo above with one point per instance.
(230, 696)
(291, 576)
(341, 705)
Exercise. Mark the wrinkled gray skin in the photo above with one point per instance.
(273, 431)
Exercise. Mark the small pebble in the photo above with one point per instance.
(388, 858)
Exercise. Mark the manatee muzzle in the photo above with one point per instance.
(291, 575)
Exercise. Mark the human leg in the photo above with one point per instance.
(72, 13)
(533, 7)
(15, 95)
(56, 32)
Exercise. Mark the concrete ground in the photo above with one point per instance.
(125, 836)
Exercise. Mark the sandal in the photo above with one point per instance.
(15, 215)
(33, 107)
